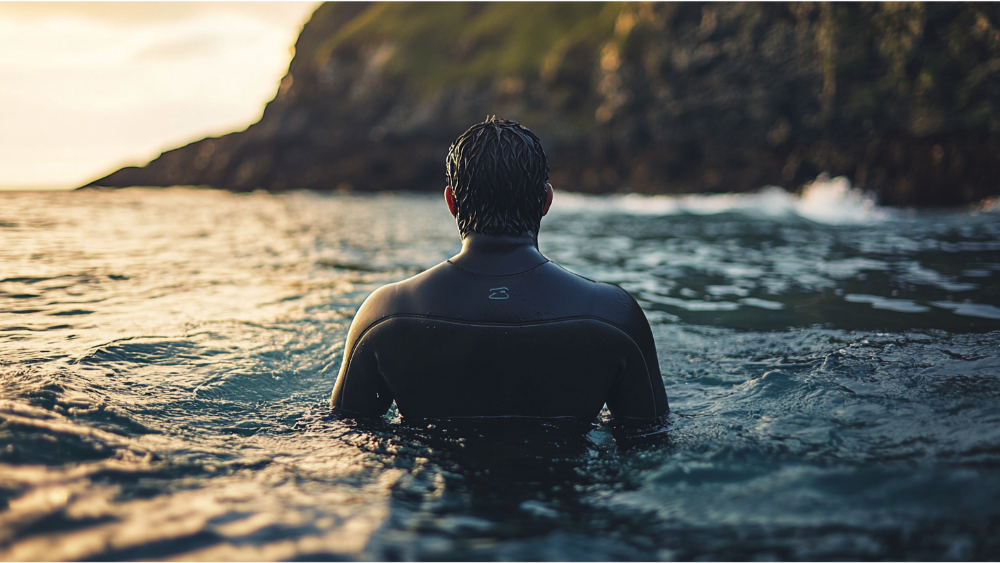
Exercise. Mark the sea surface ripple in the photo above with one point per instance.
(167, 357)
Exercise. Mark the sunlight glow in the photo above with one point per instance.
(90, 87)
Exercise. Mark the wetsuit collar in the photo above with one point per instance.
(493, 255)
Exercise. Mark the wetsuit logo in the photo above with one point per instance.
(499, 293)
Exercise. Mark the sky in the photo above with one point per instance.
(89, 87)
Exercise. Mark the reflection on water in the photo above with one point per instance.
(167, 359)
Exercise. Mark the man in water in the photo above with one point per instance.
(499, 330)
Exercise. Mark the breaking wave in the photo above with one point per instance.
(830, 201)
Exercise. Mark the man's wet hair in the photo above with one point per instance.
(497, 171)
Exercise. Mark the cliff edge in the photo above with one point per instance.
(643, 97)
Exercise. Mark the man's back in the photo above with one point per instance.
(500, 331)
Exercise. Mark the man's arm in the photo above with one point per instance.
(360, 389)
(638, 392)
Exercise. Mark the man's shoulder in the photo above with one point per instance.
(545, 292)
(607, 293)
(397, 297)
(583, 282)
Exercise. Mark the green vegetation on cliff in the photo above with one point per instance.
(651, 97)
(439, 44)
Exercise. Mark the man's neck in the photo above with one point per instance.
(497, 255)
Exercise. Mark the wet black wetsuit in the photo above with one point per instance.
(499, 330)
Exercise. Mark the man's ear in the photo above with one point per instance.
(548, 198)
(450, 199)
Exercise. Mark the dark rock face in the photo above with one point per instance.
(655, 98)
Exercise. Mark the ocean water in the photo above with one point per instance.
(167, 356)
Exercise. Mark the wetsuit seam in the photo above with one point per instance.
(649, 380)
(645, 366)
(347, 373)
(583, 277)
(364, 333)
(350, 360)
(495, 416)
(464, 269)
(521, 323)
(588, 279)
(496, 323)
(649, 375)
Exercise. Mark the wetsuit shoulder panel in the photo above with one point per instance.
(537, 342)
(442, 368)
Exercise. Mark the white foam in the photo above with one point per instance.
(834, 201)
(829, 201)
(690, 304)
(727, 290)
(762, 303)
(884, 303)
(970, 309)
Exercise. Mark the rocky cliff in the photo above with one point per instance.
(646, 97)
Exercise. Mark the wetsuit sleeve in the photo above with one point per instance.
(638, 392)
(360, 389)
